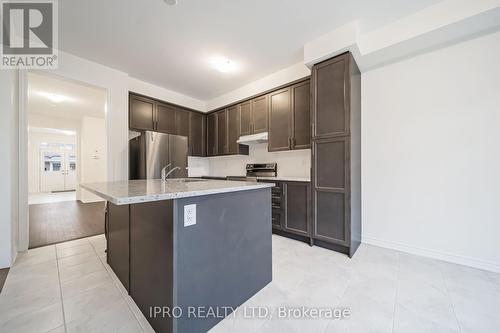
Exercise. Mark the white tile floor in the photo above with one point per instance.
(48, 197)
(69, 288)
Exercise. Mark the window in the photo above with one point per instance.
(52, 161)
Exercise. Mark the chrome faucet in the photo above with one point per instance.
(172, 170)
(164, 171)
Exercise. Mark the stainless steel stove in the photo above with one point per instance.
(257, 170)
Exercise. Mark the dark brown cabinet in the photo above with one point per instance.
(297, 208)
(182, 122)
(291, 208)
(142, 113)
(147, 114)
(336, 154)
(212, 134)
(165, 119)
(254, 116)
(233, 133)
(259, 114)
(301, 122)
(245, 118)
(289, 118)
(221, 133)
(330, 97)
(197, 134)
(280, 120)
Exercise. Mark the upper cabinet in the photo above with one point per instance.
(147, 114)
(245, 118)
(331, 107)
(259, 114)
(212, 134)
(289, 118)
(142, 113)
(301, 123)
(221, 133)
(233, 129)
(197, 134)
(280, 120)
(165, 119)
(182, 122)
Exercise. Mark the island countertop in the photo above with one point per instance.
(136, 191)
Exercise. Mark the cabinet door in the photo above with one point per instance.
(233, 120)
(212, 134)
(166, 118)
(330, 187)
(182, 122)
(141, 113)
(297, 208)
(331, 97)
(259, 114)
(301, 105)
(221, 133)
(196, 134)
(280, 117)
(246, 118)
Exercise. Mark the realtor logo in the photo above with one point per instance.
(29, 34)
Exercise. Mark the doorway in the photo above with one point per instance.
(66, 147)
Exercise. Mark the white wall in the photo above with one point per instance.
(276, 79)
(295, 163)
(34, 167)
(9, 175)
(431, 154)
(160, 93)
(93, 161)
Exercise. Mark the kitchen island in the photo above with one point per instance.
(189, 251)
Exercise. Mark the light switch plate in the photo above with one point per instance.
(189, 215)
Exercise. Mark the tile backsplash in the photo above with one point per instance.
(295, 163)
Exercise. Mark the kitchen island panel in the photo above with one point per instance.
(226, 257)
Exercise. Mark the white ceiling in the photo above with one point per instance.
(79, 100)
(171, 46)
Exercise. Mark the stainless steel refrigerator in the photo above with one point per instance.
(152, 152)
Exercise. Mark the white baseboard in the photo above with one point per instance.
(461, 260)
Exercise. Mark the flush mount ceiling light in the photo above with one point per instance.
(170, 2)
(223, 65)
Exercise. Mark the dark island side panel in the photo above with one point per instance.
(226, 257)
(151, 259)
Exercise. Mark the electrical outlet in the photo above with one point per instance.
(189, 215)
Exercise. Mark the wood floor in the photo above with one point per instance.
(62, 221)
(3, 276)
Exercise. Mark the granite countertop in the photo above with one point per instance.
(278, 178)
(285, 178)
(136, 191)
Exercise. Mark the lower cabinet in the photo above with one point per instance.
(297, 199)
(291, 208)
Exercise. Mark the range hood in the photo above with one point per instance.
(254, 138)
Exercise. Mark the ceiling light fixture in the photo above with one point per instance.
(223, 65)
(171, 2)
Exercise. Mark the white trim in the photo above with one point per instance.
(23, 213)
(434, 254)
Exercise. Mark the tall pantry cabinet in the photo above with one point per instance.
(336, 154)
